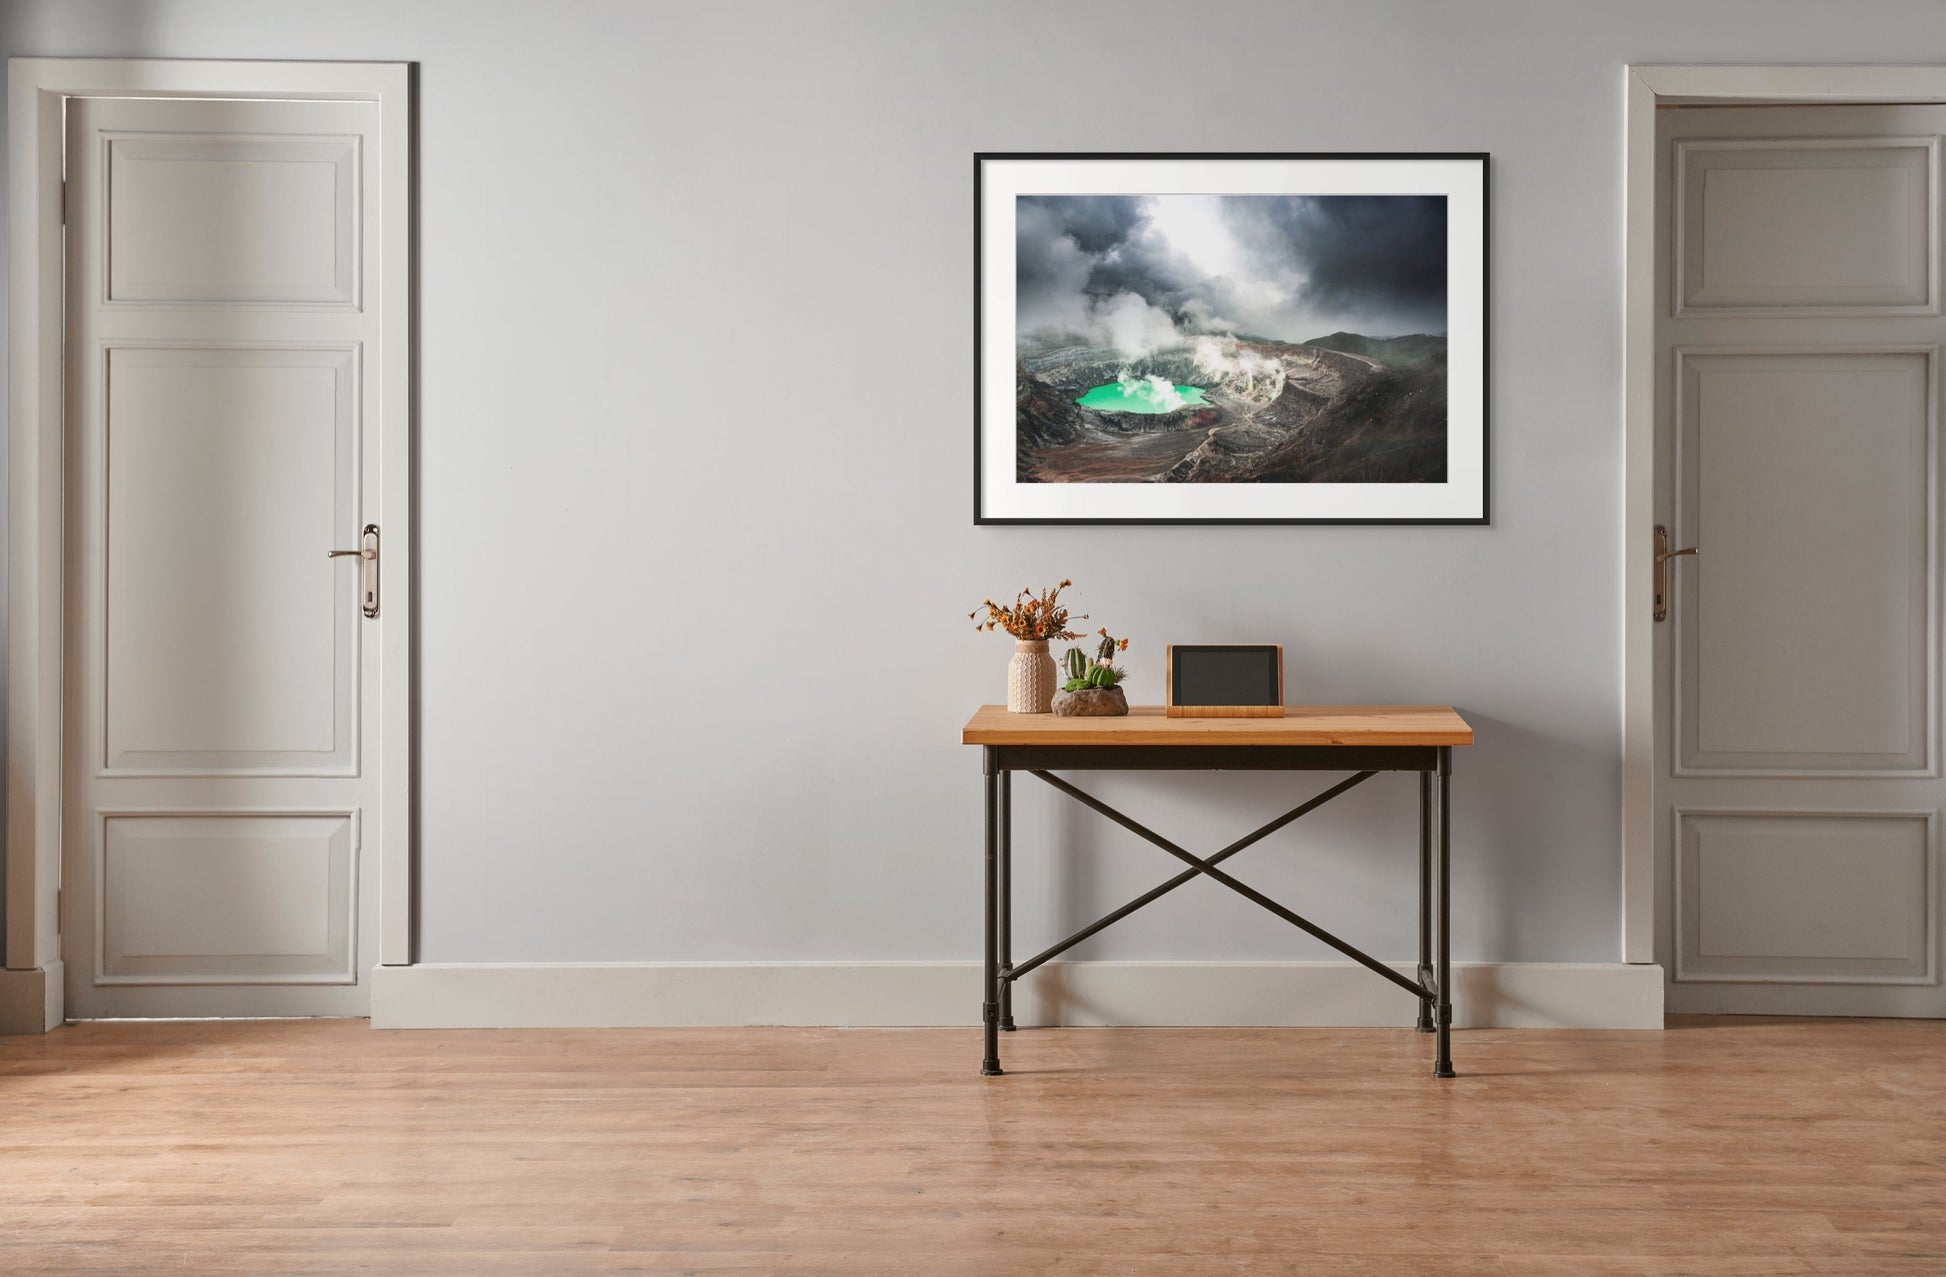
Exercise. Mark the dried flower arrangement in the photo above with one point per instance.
(1031, 616)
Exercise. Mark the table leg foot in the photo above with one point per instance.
(992, 1069)
(1006, 1024)
(1443, 1070)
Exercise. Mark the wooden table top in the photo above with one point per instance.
(1301, 725)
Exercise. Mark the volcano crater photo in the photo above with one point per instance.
(1344, 408)
(1230, 338)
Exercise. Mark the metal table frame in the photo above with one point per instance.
(1433, 763)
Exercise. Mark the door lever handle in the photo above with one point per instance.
(1662, 556)
(367, 554)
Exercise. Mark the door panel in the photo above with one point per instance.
(1801, 635)
(225, 431)
(1797, 677)
(225, 899)
(230, 641)
(207, 218)
(1796, 224)
(1805, 897)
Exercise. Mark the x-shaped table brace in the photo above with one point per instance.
(999, 1007)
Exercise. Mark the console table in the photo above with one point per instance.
(1362, 739)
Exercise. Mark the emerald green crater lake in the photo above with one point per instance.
(1141, 394)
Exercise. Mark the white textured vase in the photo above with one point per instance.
(1030, 678)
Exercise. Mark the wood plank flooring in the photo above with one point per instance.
(1733, 1146)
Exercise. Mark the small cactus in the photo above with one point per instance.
(1077, 664)
(1085, 672)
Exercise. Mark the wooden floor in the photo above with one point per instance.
(1728, 1146)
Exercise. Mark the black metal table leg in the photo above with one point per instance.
(1443, 1053)
(1424, 1023)
(990, 987)
(1006, 900)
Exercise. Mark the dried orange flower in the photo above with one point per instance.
(1030, 615)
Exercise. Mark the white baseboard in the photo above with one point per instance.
(1504, 995)
(31, 1000)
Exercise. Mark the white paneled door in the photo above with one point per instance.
(1798, 345)
(224, 427)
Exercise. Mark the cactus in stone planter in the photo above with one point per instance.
(1098, 671)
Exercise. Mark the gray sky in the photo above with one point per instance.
(1141, 272)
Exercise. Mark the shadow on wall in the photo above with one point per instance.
(1516, 855)
(1513, 855)
(1077, 875)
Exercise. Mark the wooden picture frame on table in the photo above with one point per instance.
(1223, 680)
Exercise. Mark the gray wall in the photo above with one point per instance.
(695, 444)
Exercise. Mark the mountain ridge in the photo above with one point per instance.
(1399, 352)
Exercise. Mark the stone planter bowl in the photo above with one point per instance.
(1091, 702)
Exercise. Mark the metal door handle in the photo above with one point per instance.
(367, 553)
(1662, 556)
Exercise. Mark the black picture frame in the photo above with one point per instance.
(983, 516)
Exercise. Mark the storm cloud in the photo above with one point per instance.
(1143, 272)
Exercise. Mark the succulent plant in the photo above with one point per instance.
(1098, 671)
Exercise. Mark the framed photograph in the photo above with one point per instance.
(1234, 338)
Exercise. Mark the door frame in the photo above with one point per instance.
(36, 92)
(1643, 738)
